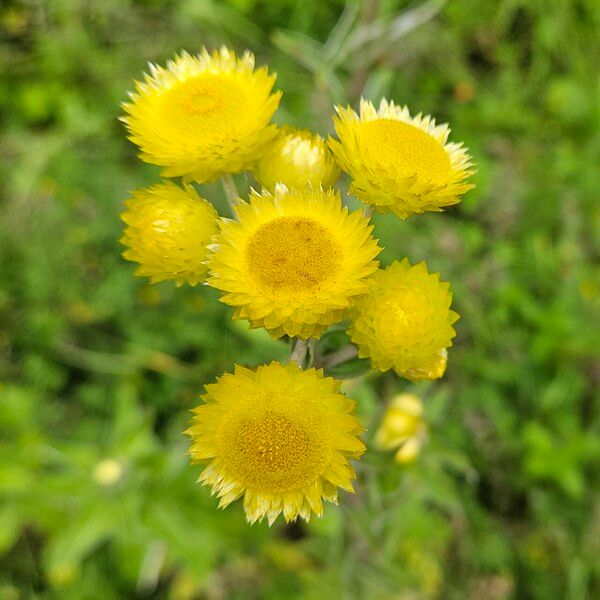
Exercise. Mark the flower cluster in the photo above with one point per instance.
(293, 260)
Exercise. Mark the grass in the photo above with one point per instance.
(98, 366)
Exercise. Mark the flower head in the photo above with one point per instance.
(294, 261)
(400, 163)
(405, 321)
(168, 229)
(278, 436)
(203, 115)
(298, 159)
(402, 428)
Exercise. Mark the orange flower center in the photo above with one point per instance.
(292, 255)
(273, 451)
(206, 106)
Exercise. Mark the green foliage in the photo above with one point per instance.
(99, 369)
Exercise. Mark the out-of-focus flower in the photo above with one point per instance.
(400, 163)
(294, 261)
(402, 428)
(278, 436)
(168, 229)
(203, 115)
(108, 472)
(404, 322)
(297, 158)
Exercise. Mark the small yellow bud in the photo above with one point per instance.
(409, 451)
(298, 159)
(403, 427)
(168, 230)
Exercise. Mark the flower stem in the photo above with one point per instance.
(299, 352)
(231, 192)
(338, 357)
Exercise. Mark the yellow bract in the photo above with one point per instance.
(403, 428)
(168, 229)
(405, 321)
(278, 436)
(203, 115)
(294, 261)
(298, 159)
(400, 163)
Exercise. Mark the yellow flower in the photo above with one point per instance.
(279, 436)
(168, 229)
(108, 471)
(294, 261)
(403, 428)
(405, 321)
(400, 163)
(298, 159)
(203, 115)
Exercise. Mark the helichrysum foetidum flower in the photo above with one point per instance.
(168, 230)
(297, 158)
(403, 428)
(405, 321)
(203, 115)
(294, 261)
(400, 163)
(278, 436)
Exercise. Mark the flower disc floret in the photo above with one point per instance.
(278, 436)
(405, 321)
(298, 159)
(294, 261)
(168, 230)
(204, 115)
(400, 163)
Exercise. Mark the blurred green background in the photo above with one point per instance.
(99, 370)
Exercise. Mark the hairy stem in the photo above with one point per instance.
(231, 192)
(299, 352)
(338, 357)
